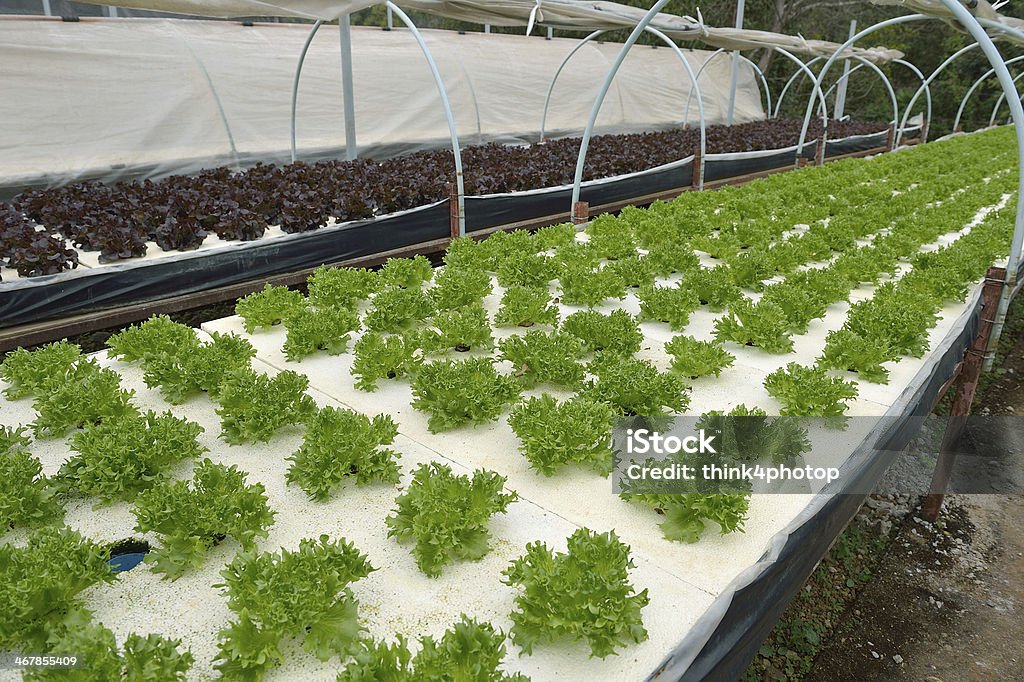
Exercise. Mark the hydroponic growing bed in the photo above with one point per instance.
(145, 241)
(404, 410)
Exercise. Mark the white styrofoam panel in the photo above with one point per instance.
(396, 598)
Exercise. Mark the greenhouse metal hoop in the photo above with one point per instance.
(585, 141)
(892, 95)
(686, 65)
(441, 90)
(757, 69)
(792, 79)
(885, 80)
(999, 101)
(934, 74)
(976, 27)
(974, 86)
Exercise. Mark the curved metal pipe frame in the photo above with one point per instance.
(441, 90)
(928, 81)
(999, 101)
(700, 100)
(928, 105)
(977, 28)
(585, 141)
(551, 88)
(974, 86)
(881, 74)
(665, 39)
(798, 73)
(805, 68)
(298, 74)
(832, 60)
(757, 70)
(216, 99)
(446, 105)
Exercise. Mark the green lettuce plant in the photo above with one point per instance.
(254, 406)
(342, 444)
(28, 371)
(749, 434)
(847, 350)
(340, 287)
(809, 391)
(553, 434)
(323, 329)
(524, 307)
(672, 305)
(407, 273)
(157, 335)
(27, 497)
(193, 516)
(714, 287)
(40, 584)
(203, 368)
(380, 356)
(456, 287)
(396, 309)
(616, 332)
(525, 269)
(87, 394)
(301, 593)
(584, 286)
(692, 358)
(581, 594)
(635, 387)
(119, 458)
(447, 515)
(454, 393)
(763, 325)
(685, 515)
(141, 659)
(461, 329)
(469, 650)
(268, 307)
(554, 236)
(539, 357)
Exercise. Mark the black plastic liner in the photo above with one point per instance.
(859, 143)
(88, 290)
(724, 166)
(503, 209)
(755, 608)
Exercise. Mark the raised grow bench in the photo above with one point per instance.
(941, 211)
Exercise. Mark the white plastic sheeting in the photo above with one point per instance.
(166, 95)
(979, 8)
(566, 14)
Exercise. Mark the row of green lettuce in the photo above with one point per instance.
(864, 221)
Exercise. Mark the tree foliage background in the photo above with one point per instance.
(925, 44)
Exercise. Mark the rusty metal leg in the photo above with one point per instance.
(453, 209)
(819, 153)
(966, 385)
(580, 212)
(697, 174)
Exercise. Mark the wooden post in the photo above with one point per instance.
(580, 212)
(890, 141)
(453, 209)
(697, 176)
(924, 130)
(966, 385)
(819, 153)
